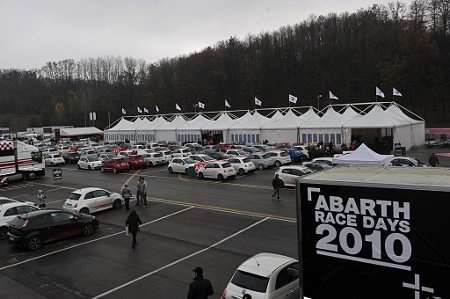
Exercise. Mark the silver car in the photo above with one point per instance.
(261, 160)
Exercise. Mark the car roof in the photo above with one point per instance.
(323, 159)
(299, 167)
(264, 264)
(86, 190)
(41, 212)
(13, 204)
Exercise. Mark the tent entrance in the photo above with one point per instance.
(212, 137)
(379, 139)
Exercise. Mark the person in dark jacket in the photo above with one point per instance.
(126, 194)
(200, 288)
(132, 223)
(277, 183)
(433, 160)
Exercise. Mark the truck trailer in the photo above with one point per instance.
(374, 232)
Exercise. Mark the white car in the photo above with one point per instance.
(153, 159)
(279, 157)
(324, 160)
(265, 276)
(167, 154)
(404, 162)
(91, 200)
(289, 174)
(220, 170)
(54, 158)
(201, 158)
(242, 165)
(89, 162)
(180, 165)
(183, 152)
(236, 152)
(9, 211)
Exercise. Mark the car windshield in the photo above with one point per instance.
(246, 160)
(74, 196)
(250, 281)
(189, 161)
(92, 159)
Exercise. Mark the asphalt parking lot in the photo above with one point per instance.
(189, 222)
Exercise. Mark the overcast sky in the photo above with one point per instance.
(33, 32)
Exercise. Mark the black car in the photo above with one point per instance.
(36, 228)
(71, 157)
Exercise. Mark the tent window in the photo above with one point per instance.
(332, 138)
(249, 138)
(314, 138)
(257, 138)
(232, 138)
(309, 138)
(245, 138)
(240, 138)
(304, 138)
(320, 137)
(338, 139)
(327, 138)
(253, 139)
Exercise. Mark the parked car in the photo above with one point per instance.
(154, 158)
(180, 165)
(404, 162)
(10, 210)
(242, 165)
(90, 200)
(183, 152)
(279, 157)
(324, 160)
(167, 154)
(194, 147)
(71, 157)
(265, 276)
(261, 147)
(236, 152)
(89, 162)
(53, 159)
(115, 165)
(36, 228)
(220, 170)
(105, 156)
(87, 151)
(218, 155)
(201, 158)
(316, 166)
(136, 161)
(299, 153)
(289, 174)
(261, 160)
(6, 200)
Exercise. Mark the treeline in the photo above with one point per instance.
(406, 47)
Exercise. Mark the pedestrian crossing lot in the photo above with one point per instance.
(173, 240)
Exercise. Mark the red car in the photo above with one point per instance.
(136, 162)
(115, 165)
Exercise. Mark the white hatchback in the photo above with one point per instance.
(279, 157)
(54, 158)
(9, 211)
(89, 162)
(220, 170)
(289, 174)
(180, 165)
(242, 165)
(91, 200)
(265, 276)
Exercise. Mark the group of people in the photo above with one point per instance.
(141, 193)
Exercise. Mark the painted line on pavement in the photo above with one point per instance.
(180, 260)
(130, 178)
(221, 209)
(56, 186)
(90, 241)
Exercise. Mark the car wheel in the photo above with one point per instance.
(277, 164)
(87, 229)
(79, 167)
(114, 170)
(34, 243)
(220, 177)
(170, 170)
(241, 171)
(84, 211)
(200, 175)
(3, 232)
(261, 167)
(117, 204)
(89, 167)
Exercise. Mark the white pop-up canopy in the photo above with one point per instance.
(363, 155)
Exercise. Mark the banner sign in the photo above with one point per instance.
(365, 242)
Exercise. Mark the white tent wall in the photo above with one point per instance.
(279, 135)
(165, 136)
(245, 136)
(183, 136)
(325, 135)
(410, 135)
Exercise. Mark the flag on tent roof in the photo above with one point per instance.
(227, 104)
(145, 110)
(293, 99)
(177, 107)
(139, 110)
(156, 108)
(124, 111)
(332, 96)
(379, 92)
(396, 93)
(258, 102)
(201, 105)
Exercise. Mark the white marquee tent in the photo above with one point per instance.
(363, 155)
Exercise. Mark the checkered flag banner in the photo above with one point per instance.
(6, 145)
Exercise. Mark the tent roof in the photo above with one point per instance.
(123, 125)
(249, 121)
(363, 155)
(396, 113)
(288, 121)
(198, 123)
(375, 118)
(159, 123)
(309, 119)
(68, 132)
(349, 113)
(224, 121)
(177, 122)
(142, 123)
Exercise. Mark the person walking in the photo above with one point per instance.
(200, 288)
(126, 194)
(138, 191)
(42, 198)
(433, 160)
(133, 222)
(276, 184)
(144, 191)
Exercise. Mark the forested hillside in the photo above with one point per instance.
(398, 45)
